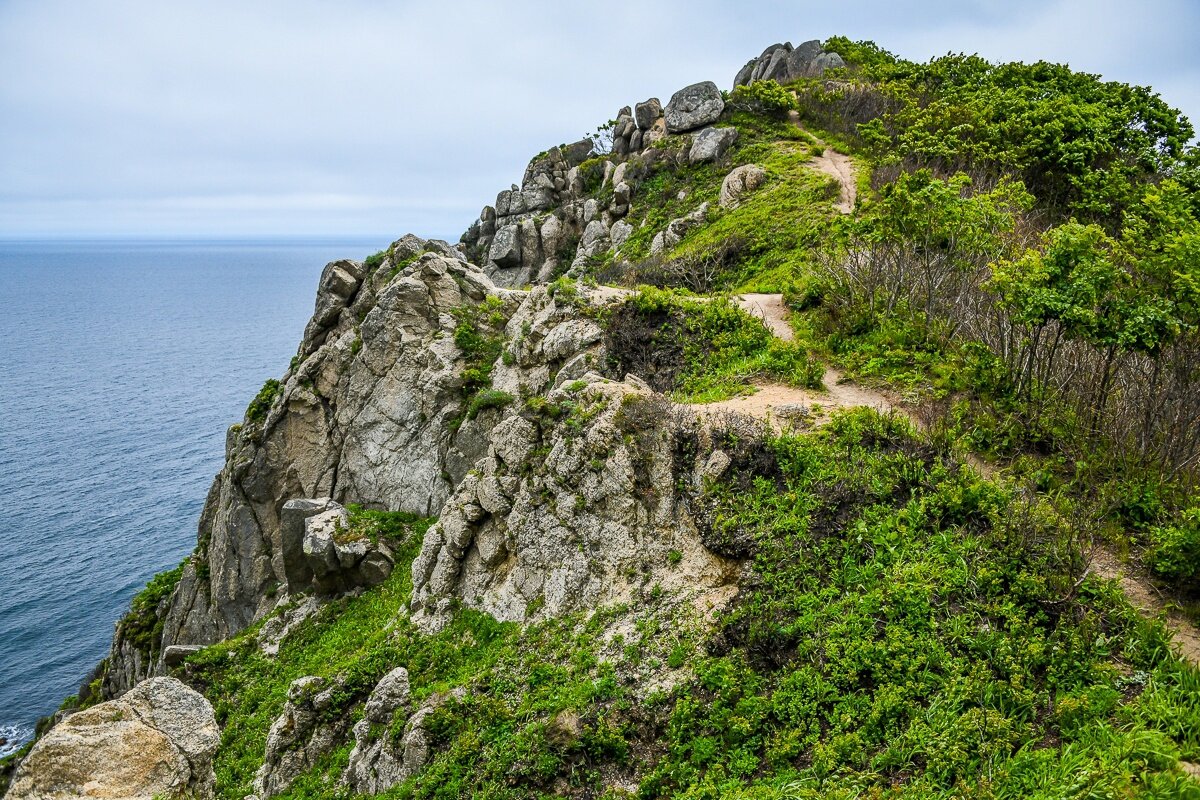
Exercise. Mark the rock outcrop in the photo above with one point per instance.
(694, 107)
(157, 741)
(782, 62)
(571, 516)
(302, 733)
(740, 182)
(391, 742)
(320, 554)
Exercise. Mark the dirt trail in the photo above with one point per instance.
(784, 406)
(836, 165)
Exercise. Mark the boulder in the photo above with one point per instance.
(619, 233)
(647, 113)
(506, 247)
(156, 741)
(710, 144)
(741, 181)
(297, 571)
(693, 107)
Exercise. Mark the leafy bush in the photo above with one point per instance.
(262, 402)
(1174, 551)
(142, 626)
(763, 97)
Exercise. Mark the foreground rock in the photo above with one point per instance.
(157, 741)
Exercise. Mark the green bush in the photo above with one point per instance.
(764, 97)
(142, 626)
(1174, 551)
(262, 402)
(488, 398)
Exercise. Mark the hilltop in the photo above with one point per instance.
(805, 439)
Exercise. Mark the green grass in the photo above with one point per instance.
(908, 630)
(776, 228)
(709, 350)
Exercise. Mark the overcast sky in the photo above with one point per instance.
(236, 117)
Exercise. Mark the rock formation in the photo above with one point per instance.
(300, 735)
(157, 741)
(782, 62)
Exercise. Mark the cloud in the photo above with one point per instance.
(131, 116)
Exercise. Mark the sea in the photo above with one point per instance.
(122, 364)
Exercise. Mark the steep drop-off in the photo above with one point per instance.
(502, 530)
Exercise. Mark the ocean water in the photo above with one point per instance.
(122, 363)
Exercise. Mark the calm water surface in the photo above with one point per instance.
(121, 365)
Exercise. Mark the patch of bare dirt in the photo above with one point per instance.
(1143, 596)
(836, 165)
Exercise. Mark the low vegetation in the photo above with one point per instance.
(911, 630)
(700, 350)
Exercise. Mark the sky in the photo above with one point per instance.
(307, 117)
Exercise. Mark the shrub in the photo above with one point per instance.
(763, 97)
(488, 398)
(262, 402)
(1175, 550)
(142, 626)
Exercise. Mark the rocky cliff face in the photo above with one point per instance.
(363, 416)
(374, 410)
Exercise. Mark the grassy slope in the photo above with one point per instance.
(909, 630)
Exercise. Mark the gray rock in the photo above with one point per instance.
(740, 182)
(379, 762)
(774, 67)
(298, 573)
(619, 234)
(551, 236)
(578, 152)
(176, 654)
(711, 144)
(390, 694)
(647, 112)
(744, 75)
(506, 247)
(693, 107)
(570, 337)
(621, 194)
(158, 740)
(300, 735)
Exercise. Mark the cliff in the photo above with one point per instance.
(553, 511)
